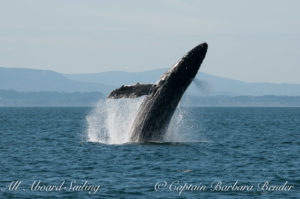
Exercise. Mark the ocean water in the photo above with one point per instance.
(209, 153)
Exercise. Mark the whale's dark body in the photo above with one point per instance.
(162, 98)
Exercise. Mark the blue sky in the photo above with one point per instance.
(249, 40)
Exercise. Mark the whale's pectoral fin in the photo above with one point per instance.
(131, 91)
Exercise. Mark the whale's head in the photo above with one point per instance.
(183, 72)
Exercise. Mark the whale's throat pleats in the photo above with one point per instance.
(131, 91)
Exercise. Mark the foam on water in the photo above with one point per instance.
(111, 120)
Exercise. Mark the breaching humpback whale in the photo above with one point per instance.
(162, 98)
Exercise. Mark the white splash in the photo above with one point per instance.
(111, 120)
(176, 131)
(184, 127)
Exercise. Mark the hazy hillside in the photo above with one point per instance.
(117, 78)
(50, 99)
(242, 101)
(14, 98)
(204, 84)
(20, 79)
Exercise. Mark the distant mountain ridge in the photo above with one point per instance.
(31, 80)
(203, 85)
(21, 79)
(9, 98)
(29, 87)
